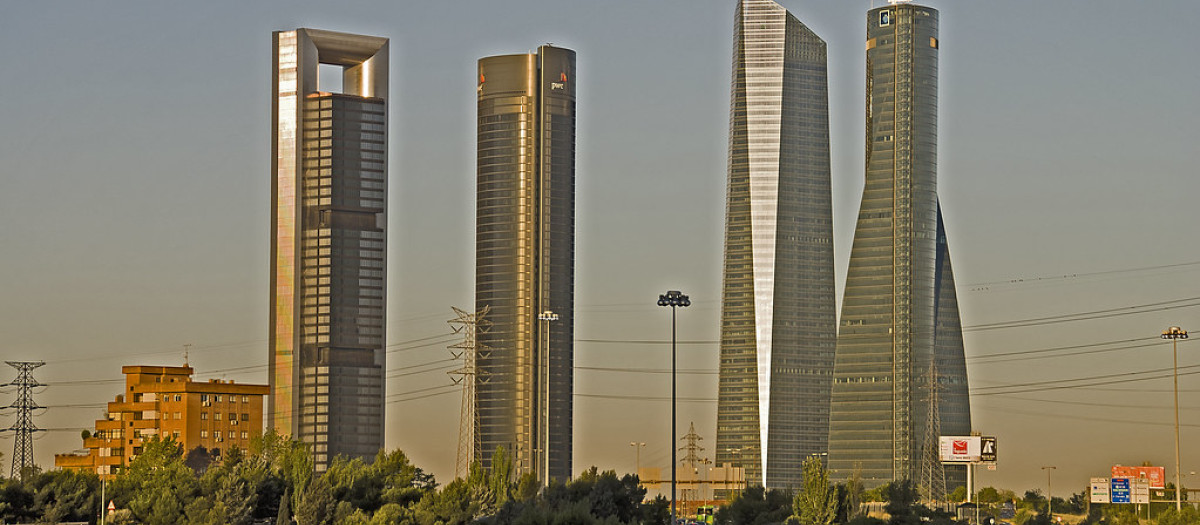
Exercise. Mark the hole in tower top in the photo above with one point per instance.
(329, 78)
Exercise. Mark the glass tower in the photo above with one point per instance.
(525, 259)
(778, 326)
(328, 243)
(900, 376)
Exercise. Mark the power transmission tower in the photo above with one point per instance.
(469, 350)
(692, 448)
(23, 447)
(691, 458)
(933, 476)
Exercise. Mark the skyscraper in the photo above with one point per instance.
(328, 242)
(778, 326)
(525, 258)
(900, 376)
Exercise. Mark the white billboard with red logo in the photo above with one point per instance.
(960, 449)
(1155, 476)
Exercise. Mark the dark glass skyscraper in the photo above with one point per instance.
(778, 326)
(900, 375)
(525, 258)
(328, 243)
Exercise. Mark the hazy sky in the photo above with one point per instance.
(134, 198)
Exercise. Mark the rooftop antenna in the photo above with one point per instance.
(187, 347)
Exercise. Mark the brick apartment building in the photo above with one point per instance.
(164, 401)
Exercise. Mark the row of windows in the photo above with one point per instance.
(217, 416)
(217, 434)
(204, 398)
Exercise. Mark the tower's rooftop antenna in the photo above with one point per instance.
(899, 1)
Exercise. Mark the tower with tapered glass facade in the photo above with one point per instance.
(778, 326)
(899, 347)
(525, 259)
(328, 242)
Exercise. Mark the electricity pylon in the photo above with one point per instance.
(24, 428)
(469, 350)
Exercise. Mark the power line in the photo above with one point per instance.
(1033, 280)
(1187, 302)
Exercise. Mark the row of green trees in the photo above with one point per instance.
(273, 482)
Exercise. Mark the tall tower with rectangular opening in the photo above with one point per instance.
(525, 258)
(778, 324)
(328, 243)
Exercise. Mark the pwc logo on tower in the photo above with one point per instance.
(562, 82)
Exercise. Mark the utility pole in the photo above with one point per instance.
(469, 351)
(23, 447)
(1049, 496)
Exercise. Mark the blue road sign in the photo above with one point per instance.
(1120, 491)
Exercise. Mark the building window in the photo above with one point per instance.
(245, 399)
(178, 415)
(245, 435)
(232, 416)
(178, 397)
(216, 416)
(203, 416)
(218, 398)
(175, 434)
(232, 434)
(245, 417)
(204, 434)
(885, 18)
(203, 398)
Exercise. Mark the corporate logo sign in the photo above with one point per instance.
(960, 449)
(967, 449)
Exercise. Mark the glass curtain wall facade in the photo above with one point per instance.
(778, 326)
(329, 198)
(525, 259)
(900, 339)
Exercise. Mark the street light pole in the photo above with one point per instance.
(674, 299)
(1049, 496)
(546, 318)
(1176, 333)
(637, 465)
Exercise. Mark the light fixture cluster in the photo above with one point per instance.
(674, 298)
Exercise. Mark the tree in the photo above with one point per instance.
(317, 507)
(959, 495)
(285, 516)
(904, 507)
(989, 495)
(852, 496)
(756, 506)
(817, 501)
(65, 495)
(157, 486)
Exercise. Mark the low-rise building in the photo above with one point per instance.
(164, 401)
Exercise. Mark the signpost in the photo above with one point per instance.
(1120, 490)
(1141, 491)
(1100, 490)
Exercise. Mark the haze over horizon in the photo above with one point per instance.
(136, 202)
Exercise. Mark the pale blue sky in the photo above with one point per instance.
(134, 197)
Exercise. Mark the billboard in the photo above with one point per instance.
(1100, 489)
(960, 449)
(1155, 476)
